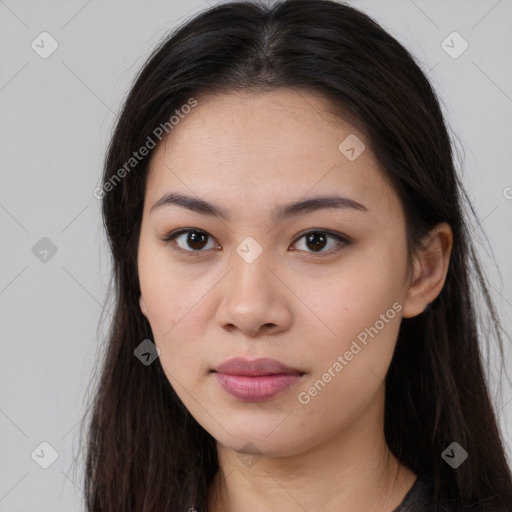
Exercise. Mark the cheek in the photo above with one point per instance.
(354, 297)
(179, 312)
(351, 364)
(357, 310)
(167, 298)
(174, 312)
(168, 292)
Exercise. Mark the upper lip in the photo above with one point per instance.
(256, 367)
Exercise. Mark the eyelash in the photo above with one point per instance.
(342, 241)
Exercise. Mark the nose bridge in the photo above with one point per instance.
(251, 295)
(251, 274)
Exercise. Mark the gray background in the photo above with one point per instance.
(56, 116)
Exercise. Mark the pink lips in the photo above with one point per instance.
(256, 380)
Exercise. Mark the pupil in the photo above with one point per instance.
(313, 238)
(194, 238)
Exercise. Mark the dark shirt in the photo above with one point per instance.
(419, 499)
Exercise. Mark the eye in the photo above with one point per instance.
(318, 239)
(193, 241)
(186, 239)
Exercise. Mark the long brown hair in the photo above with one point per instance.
(144, 450)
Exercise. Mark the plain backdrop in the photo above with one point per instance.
(56, 118)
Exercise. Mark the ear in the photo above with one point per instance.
(430, 269)
(143, 307)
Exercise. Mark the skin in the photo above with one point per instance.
(247, 154)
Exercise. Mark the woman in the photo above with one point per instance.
(295, 327)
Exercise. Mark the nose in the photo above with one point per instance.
(254, 299)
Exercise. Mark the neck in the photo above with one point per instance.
(353, 470)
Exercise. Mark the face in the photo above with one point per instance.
(321, 290)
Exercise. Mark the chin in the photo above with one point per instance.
(259, 444)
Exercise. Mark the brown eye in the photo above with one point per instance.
(196, 240)
(190, 240)
(317, 240)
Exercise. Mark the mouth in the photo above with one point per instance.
(256, 380)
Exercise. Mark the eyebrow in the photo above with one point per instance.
(281, 212)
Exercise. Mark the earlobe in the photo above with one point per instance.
(431, 268)
(142, 305)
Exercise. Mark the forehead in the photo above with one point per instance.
(272, 146)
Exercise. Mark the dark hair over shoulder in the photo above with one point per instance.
(145, 452)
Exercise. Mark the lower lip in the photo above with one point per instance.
(254, 389)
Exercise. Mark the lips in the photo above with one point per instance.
(265, 366)
(256, 380)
